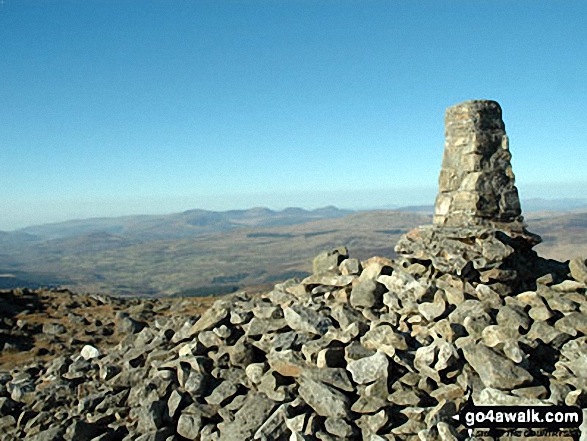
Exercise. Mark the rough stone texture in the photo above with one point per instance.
(476, 184)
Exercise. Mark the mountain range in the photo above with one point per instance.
(200, 252)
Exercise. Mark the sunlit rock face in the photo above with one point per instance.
(476, 184)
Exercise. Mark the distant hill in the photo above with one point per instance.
(556, 205)
(180, 225)
(203, 252)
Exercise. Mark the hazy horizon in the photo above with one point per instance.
(114, 108)
(276, 207)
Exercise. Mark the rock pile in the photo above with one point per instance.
(478, 231)
(372, 350)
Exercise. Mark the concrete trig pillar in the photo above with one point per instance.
(476, 184)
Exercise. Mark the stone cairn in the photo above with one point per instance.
(478, 231)
(375, 350)
(476, 185)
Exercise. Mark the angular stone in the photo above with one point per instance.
(338, 427)
(303, 319)
(513, 318)
(469, 308)
(366, 294)
(531, 392)
(337, 377)
(432, 310)
(329, 260)
(152, 416)
(326, 401)
(494, 370)
(370, 424)
(274, 428)
(486, 295)
(495, 397)
(263, 326)
(271, 386)
(255, 372)
(448, 392)
(543, 331)
(211, 318)
(53, 328)
(287, 363)
(384, 338)
(493, 335)
(189, 425)
(404, 397)
(175, 401)
(90, 352)
(329, 279)
(350, 267)
(572, 323)
(369, 369)
(578, 268)
(248, 419)
(221, 393)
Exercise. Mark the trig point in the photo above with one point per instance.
(476, 184)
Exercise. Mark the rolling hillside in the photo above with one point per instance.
(201, 253)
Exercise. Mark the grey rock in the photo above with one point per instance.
(372, 397)
(329, 260)
(578, 269)
(303, 319)
(384, 338)
(369, 369)
(370, 424)
(405, 397)
(189, 425)
(325, 400)
(274, 428)
(338, 427)
(336, 377)
(90, 352)
(175, 402)
(350, 267)
(152, 416)
(128, 325)
(211, 318)
(51, 328)
(496, 397)
(262, 327)
(432, 310)
(469, 308)
(287, 363)
(248, 419)
(513, 318)
(329, 279)
(367, 294)
(222, 392)
(494, 370)
(572, 323)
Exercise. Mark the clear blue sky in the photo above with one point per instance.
(112, 107)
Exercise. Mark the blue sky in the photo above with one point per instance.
(111, 107)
